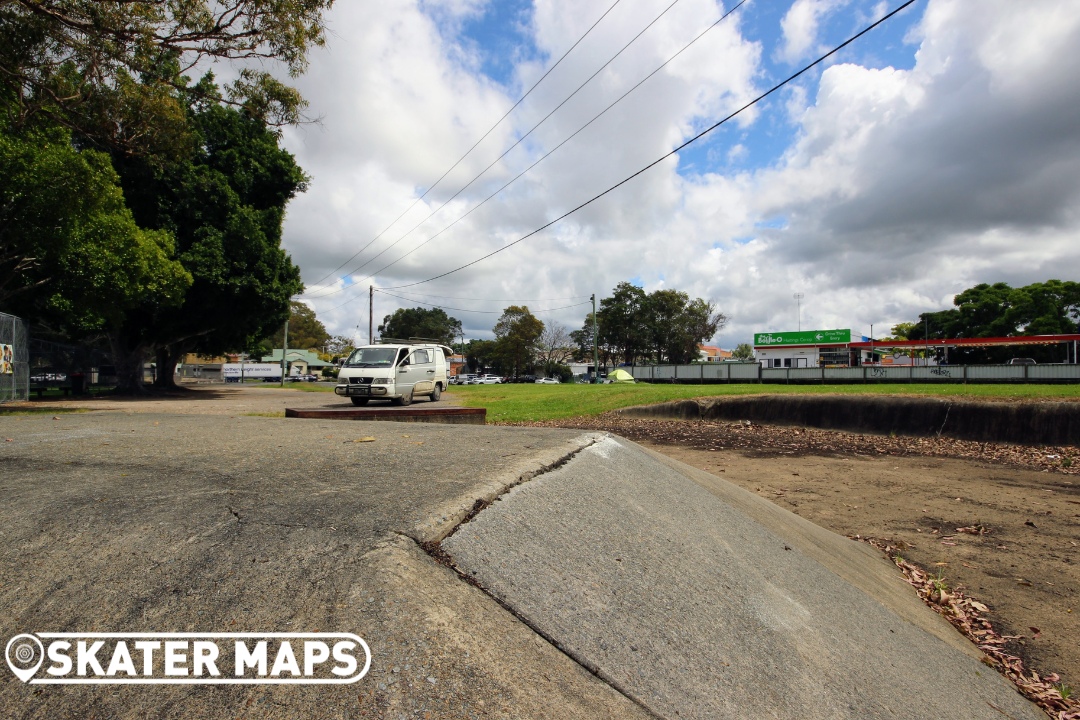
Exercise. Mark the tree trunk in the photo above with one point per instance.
(129, 365)
(167, 358)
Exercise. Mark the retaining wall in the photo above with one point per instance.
(1036, 423)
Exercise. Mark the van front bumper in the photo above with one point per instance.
(362, 390)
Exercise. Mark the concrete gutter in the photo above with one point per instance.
(683, 601)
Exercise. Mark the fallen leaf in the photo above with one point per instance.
(364, 439)
(1035, 630)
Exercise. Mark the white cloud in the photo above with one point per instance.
(898, 189)
(800, 27)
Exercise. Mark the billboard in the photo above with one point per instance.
(804, 337)
(7, 359)
(251, 370)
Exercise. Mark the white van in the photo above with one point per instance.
(395, 371)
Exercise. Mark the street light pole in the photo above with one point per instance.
(798, 307)
(595, 344)
(284, 348)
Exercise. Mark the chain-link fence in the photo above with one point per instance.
(14, 359)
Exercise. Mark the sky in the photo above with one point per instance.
(938, 151)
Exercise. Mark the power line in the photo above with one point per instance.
(496, 160)
(694, 139)
(475, 144)
(481, 312)
(509, 300)
(556, 148)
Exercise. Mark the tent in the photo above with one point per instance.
(620, 376)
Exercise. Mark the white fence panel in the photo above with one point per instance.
(804, 374)
(714, 371)
(774, 374)
(743, 371)
(1053, 372)
(995, 372)
(642, 372)
(847, 374)
(888, 373)
(942, 372)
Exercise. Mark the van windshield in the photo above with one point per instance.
(372, 357)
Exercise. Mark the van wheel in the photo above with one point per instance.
(436, 393)
(405, 399)
(359, 401)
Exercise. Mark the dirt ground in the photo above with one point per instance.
(1020, 550)
(1020, 506)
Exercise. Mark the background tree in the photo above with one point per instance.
(339, 346)
(419, 322)
(555, 345)
(998, 310)
(516, 335)
(480, 354)
(624, 321)
(743, 351)
(306, 332)
(108, 69)
(677, 325)
(225, 205)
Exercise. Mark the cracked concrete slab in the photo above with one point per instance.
(679, 598)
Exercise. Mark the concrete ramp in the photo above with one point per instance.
(679, 598)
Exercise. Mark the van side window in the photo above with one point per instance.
(421, 357)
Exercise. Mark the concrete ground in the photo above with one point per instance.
(625, 585)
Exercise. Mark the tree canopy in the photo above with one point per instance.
(306, 331)
(662, 326)
(406, 323)
(998, 310)
(517, 334)
(109, 68)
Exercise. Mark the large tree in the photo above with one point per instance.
(999, 310)
(433, 324)
(72, 258)
(306, 331)
(555, 344)
(624, 322)
(516, 335)
(225, 205)
(108, 69)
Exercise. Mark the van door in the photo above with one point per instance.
(420, 372)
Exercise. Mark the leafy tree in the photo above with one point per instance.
(108, 69)
(419, 322)
(72, 258)
(480, 354)
(517, 333)
(306, 332)
(998, 310)
(339, 345)
(624, 321)
(677, 325)
(743, 351)
(225, 205)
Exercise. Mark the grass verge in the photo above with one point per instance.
(523, 403)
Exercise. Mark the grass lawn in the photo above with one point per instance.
(520, 403)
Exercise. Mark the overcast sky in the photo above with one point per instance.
(939, 151)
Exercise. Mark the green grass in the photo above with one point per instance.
(521, 403)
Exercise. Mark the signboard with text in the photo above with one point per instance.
(804, 337)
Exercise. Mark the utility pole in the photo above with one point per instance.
(284, 348)
(595, 343)
(798, 307)
(371, 315)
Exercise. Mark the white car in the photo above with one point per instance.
(548, 381)
(488, 380)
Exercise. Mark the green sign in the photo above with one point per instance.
(804, 337)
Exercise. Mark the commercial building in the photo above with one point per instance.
(811, 348)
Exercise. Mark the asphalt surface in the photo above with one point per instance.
(627, 586)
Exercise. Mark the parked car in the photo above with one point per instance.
(302, 378)
(461, 379)
(548, 381)
(488, 380)
(395, 371)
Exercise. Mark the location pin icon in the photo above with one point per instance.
(24, 656)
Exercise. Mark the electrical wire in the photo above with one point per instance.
(481, 312)
(475, 144)
(496, 160)
(509, 300)
(656, 162)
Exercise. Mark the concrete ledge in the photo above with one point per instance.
(447, 415)
(1030, 423)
